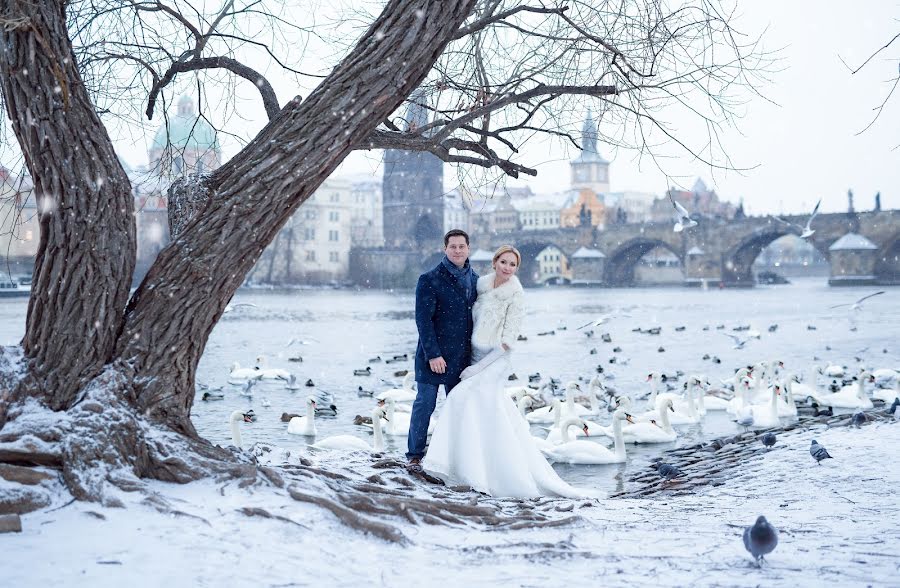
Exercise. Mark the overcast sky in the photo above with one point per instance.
(800, 144)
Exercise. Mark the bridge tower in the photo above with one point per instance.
(589, 169)
(413, 187)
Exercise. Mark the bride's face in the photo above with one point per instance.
(506, 265)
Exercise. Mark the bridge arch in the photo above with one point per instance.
(530, 274)
(737, 262)
(887, 264)
(621, 262)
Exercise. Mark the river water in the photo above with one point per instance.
(343, 329)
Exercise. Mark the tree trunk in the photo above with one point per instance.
(86, 253)
(169, 318)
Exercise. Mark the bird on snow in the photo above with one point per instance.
(668, 471)
(684, 217)
(895, 408)
(858, 304)
(818, 452)
(760, 539)
(805, 232)
(858, 419)
(768, 439)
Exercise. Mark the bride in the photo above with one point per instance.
(481, 439)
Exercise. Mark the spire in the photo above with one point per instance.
(589, 135)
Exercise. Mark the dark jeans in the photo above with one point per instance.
(422, 409)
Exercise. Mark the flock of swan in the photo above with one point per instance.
(570, 431)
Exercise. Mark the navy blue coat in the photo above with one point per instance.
(444, 321)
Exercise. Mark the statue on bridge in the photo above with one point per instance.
(850, 202)
(878, 202)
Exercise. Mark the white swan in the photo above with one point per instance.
(570, 408)
(707, 401)
(239, 375)
(351, 443)
(587, 452)
(852, 396)
(741, 401)
(396, 423)
(886, 394)
(885, 378)
(767, 415)
(685, 409)
(833, 371)
(305, 425)
(267, 373)
(803, 390)
(788, 408)
(647, 432)
(590, 428)
(236, 417)
(405, 393)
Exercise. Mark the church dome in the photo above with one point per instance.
(186, 131)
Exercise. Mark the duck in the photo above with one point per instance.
(233, 420)
(208, 396)
(766, 415)
(852, 396)
(587, 452)
(304, 425)
(405, 393)
(660, 431)
(352, 443)
(365, 372)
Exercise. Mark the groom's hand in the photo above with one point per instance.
(437, 365)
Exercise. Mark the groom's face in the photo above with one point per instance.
(457, 250)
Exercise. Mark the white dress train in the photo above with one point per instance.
(481, 439)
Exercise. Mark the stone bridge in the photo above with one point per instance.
(716, 251)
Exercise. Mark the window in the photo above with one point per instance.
(333, 256)
(311, 214)
(333, 216)
(333, 236)
(311, 255)
(309, 234)
(334, 198)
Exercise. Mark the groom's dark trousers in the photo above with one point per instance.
(444, 322)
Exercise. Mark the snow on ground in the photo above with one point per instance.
(837, 526)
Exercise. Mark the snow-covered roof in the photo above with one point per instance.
(585, 253)
(695, 251)
(481, 255)
(852, 241)
(544, 202)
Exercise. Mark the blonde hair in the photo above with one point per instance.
(507, 249)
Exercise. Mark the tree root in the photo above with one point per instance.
(351, 519)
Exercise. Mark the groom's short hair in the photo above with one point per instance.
(455, 233)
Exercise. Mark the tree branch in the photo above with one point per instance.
(490, 19)
(270, 101)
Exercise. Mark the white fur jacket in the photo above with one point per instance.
(498, 312)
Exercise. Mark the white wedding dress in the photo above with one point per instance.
(481, 439)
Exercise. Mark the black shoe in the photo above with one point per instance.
(415, 465)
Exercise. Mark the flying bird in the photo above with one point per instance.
(231, 307)
(684, 217)
(601, 320)
(738, 342)
(818, 452)
(858, 304)
(760, 539)
(805, 232)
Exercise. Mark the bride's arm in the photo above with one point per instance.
(512, 324)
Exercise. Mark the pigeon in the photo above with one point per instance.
(805, 232)
(858, 304)
(760, 539)
(818, 452)
(684, 217)
(768, 439)
(858, 419)
(668, 471)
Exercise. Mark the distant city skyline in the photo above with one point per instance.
(800, 142)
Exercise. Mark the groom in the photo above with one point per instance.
(444, 299)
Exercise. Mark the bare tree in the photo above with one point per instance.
(119, 369)
(892, 82)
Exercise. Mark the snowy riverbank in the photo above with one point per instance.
(837, 523)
